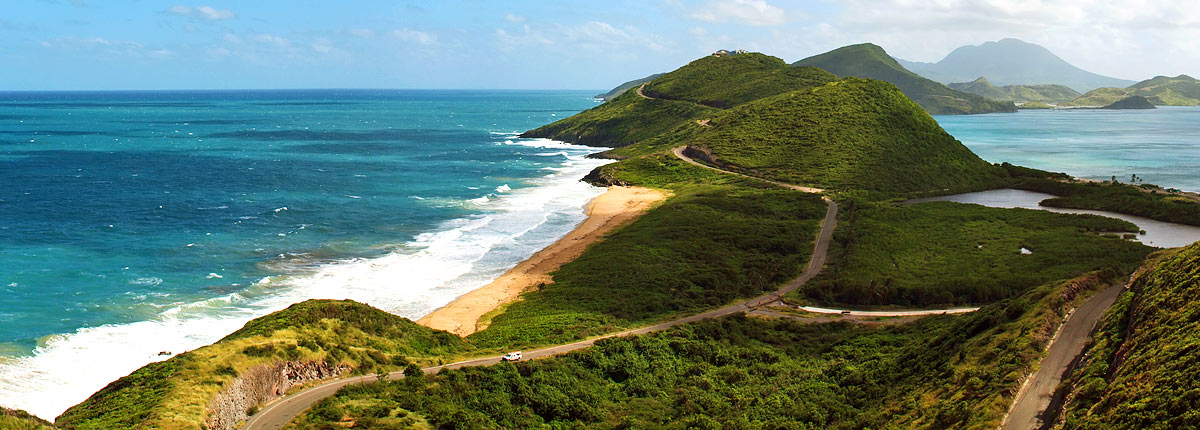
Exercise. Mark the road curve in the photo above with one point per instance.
(1030, 404)
(280, 412)
(679, 152)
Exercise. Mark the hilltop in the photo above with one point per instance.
(697, 90)
(1012, 62)
(1131, 102)
(1140, 369)
(11, 419)
(1047, 93)
(621, 89)
(1182, 90)
(842, 135)
(870, 61)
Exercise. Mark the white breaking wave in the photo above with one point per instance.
(426, 273)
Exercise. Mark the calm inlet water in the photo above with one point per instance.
(134, 223)
(1160, 145)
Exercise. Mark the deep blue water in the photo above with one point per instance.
(1162, 145)
(136, 222)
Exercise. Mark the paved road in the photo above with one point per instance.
(912, 313)
(1031, 402)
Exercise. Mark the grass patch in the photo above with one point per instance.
(944, 253)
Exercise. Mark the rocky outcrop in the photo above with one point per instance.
(261, 384)
(602, 177)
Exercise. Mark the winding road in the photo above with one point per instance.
(280, 412)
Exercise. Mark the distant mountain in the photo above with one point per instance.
(1048, 93)
(870, 61)
(1131, 102)
(620, 89)
(1012, 62)
(1182, 90)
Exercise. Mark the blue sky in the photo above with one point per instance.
(202, 44)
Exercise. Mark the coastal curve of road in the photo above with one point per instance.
(280, 412)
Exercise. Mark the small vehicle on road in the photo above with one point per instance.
(845, 312)
(512, 356)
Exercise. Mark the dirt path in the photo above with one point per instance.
(679, 152)
(641, 94)
(1030, 404)
(606, 212)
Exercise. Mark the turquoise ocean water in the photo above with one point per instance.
(1162, 145)
(134, 223)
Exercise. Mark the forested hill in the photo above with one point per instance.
(870, 61)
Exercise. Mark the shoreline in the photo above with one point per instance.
(615, 207)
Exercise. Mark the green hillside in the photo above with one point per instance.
(1131, 102)
(316, 335)
(11, 419)
(1140, 372)
(621, 89)
(1018, 93)
(850, 134)
(693, 92)
(728, 81)
(1182, 90)
(870, 61)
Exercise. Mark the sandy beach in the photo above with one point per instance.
(615, 207)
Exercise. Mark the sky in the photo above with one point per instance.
(564, 44)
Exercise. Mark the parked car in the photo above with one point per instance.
(512, 356)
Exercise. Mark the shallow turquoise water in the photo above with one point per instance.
(139, 222)
(1162, 146)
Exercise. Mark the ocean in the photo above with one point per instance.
(1161, 146)
(134, 223)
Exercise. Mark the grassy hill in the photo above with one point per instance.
(1182, 90)
(316, 337)
(1018, 93)
(621, 89)
(695, 91)
(11, 419)
(1139, 372)
(850, 134)
(870, 61)
(1131, 102)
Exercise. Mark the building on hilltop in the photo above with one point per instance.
(723, 52)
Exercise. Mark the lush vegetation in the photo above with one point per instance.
(730, 80)
(739, 372)
(870, 61)
(704, 247)
(621, 89)
(850, 134)
(1140, 371)
(176, 393)
(1131, 102)
(1035, 105)
(694, 92)
(1146, 201)
(11, 419)
(1018, 93)
(950, 253)
(624, 121)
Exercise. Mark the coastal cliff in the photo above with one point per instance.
(262, 384)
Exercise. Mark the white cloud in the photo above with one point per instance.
(272, 40)
(364, 33)
(514, 18)
(415, 36)
(749, 12)
(203, 12)
(589, 38)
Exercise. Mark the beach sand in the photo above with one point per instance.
(615, 207)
